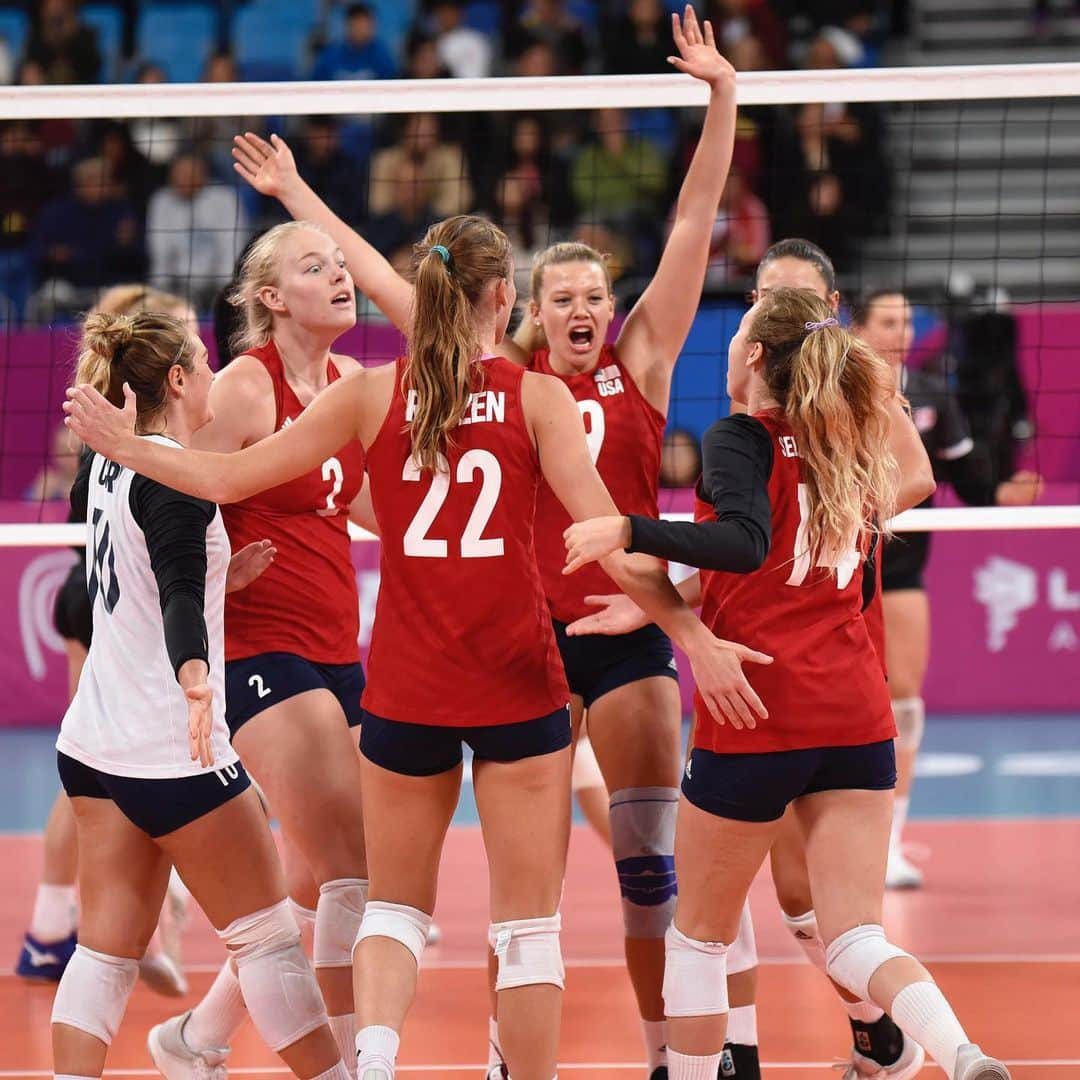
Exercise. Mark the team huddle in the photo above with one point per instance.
(513, 485)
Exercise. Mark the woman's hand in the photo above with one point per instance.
(729, 697)
(618, 614)
(248, 563)
(591, 540)
(1021, 489)
(103, 427)
(200, 722)
(269, 167)
(698, 55)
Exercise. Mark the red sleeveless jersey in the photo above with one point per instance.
(305, 602)
(462, 634)
(625, 435)
(825, 686)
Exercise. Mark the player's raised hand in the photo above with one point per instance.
(589, 541)
(728, 695)
(698, 55)
(248, 563)
(102, 426)
(1021, 489)
(200, 722)
(269, 167)
(617, 614)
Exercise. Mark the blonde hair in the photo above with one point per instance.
(139, 350)
(834, 390)
(443, 341)
(259, 268)
(131, 298)
(530, 337)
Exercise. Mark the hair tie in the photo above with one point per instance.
(442, 252)
(812, 326)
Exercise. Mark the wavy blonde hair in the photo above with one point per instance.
(444, 344)
(834, 390)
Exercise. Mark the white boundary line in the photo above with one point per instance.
(944, 83)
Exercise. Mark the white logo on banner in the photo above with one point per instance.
(37, 594)
(1004, 588)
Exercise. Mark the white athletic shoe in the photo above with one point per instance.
(973, 1064)
(905, 1067)
(376, 1072)
(900, 873)
(160, 972)
(496, 1072)
(175, 1060)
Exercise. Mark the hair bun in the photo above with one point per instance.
(107, 334)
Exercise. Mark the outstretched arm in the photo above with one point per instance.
(656, 328)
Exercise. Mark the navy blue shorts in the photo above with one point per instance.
(758, 787)
(596, 664)
(158, 807)
(257, 683)
(427, 749)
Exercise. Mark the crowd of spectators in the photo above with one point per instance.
(86, 204)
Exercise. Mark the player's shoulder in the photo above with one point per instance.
(741, 428)
(345, 364)
(246, 375)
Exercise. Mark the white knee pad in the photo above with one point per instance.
(337, 921)
(275, 977)
(406, 925)
(304, 916)
(804, 929)
(910, 716)
(94, 992)
(643, 843)
(742, 956)
(854, 956)
(695, 975)
(528, 952)
(586, 772)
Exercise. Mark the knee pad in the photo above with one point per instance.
(643, 843)
(855, 955)
(406, 925)
(275, 977)
(586, 772)
(528, 952)
(94, 992)
(910, 716)
(804, 929)
(304, 916)
(337, 921)
(695, 975)
(742, 956)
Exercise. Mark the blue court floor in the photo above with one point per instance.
(1016, 766)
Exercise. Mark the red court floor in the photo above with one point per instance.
(998, 924)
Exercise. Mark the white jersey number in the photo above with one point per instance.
(333, 473)
(845, 566)
(592, 413)
(473, 545)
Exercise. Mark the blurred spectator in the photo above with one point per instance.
(441, 165)
(735, 19)
(7, 62)
(521, 204)
(113, 141)
(464, 52)
(55, 480)
(619, 175)
(409, 213)
(362, 55)
(537, 60)
(65, 48)
(212, 136)
(680, 459)
(617, 251)
(220, 68)
(549, 22)
(58, 136)
(423, 60)
(194, 232)
(639, 42)
(83, 241)
(157, 138)
(329, 170)
(740, 234)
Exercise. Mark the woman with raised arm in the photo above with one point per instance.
(458, 441)
(789, 498)
(629, 685)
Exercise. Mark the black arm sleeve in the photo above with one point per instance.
(80, 488)
(971, 477)
(175, 529)
(737, 456)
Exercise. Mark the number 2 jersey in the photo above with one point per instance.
(462, 634)
(305, 602)
(625, 436)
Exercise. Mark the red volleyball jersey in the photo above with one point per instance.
(825, 686)
(874, 613)
(625, 435)
(462, 633)
(306, 601)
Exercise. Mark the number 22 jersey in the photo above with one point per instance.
(305, 602)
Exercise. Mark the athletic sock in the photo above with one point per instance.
(692, 1066)
(343, 1028)
(923, 1014)
(654, 1034)
(55, 914)
(376, 1045)
(214, 1021)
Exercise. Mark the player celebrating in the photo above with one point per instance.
(787, 499)
(143, 751)
(882, 318)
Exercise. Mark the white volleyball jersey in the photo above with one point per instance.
(129, 716)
